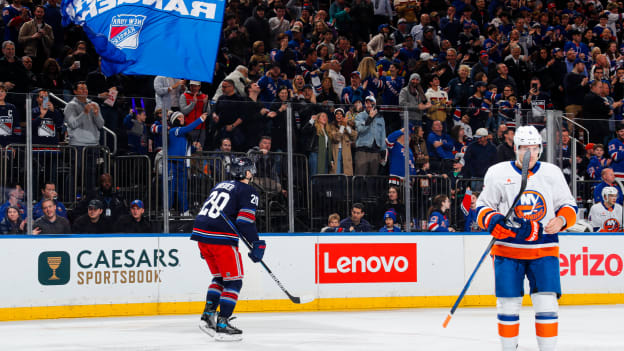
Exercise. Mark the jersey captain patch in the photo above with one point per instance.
(531, 206)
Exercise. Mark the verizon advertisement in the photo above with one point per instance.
(366, 263)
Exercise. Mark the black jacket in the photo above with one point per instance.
(83, 225)
(127, 224)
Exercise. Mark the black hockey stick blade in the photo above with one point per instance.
(294, 299)
(525, 176)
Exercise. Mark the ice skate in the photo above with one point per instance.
(226, 331)
(208, 323)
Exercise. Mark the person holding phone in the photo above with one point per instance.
(537, 100)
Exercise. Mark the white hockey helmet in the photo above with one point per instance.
(527, 135)
(608, 190)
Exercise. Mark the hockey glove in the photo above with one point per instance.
(499, 229)
(528, 230)
(257, 250)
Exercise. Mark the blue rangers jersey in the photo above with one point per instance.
(397, 156)
(438, 222)
(616, 152)
(238, 202)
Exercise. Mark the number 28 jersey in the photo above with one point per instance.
(238, 202)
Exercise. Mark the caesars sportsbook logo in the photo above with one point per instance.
(54, 268)
(106, 267)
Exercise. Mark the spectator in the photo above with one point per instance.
(438, 221)
(267, 176)
(50, 77)
(137, 131)
(258, 27)
(12, 222)
(48, 192)
(114, 205)
(370, 141)
(505, 151)
(51, 222)
(518, 68)
(478, 111)
(596, 112)
(338, 80)
(461, 87)
(504, 78)
(278, 24)
(15, 198)
(14, 16)
(318, 144)
(240, 77)
(12, 72)
(333, 224)
(574, 85)
(597, 162)
(469, 209)
(396, 153)
(356, 223)
(413, 97)
(31, 77)
(37, 38)
(484, 65)
(168, 92)
(616, 151)
(393, 203)
(608, 179)
(134, 222)
(227, 116)
(480, 155)
(355, 91)
(84, 121)
(193, 103)
(389, 221)
(270, 83)
(450, 67)
(342, 134)
(93, 222)
(327, 95)
(440, 147)
(438, 99)
(178, 148)
(11, 131)
(418, 144)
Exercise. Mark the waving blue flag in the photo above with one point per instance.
(173, 38)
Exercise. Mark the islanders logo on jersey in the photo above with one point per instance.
(531, 206)
(124, 31)
(610, 225)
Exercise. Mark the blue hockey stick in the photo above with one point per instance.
(525, 173)
(294, 299)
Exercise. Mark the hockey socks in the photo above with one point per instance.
(214, 293)
(546, 320)
(229, 297)
(508, 309)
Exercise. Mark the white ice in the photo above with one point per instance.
(580, 328)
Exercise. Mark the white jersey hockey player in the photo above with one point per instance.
(530, 248)
(606, 216)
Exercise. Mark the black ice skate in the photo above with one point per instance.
(208, 323)
(227, 332)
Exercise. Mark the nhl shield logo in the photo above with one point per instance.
(124, 31)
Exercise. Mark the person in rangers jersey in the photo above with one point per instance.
(217, 239)
(530, 245)
(616, 151)
(606, 216)
(438, 221)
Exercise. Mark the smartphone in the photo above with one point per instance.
(45, 101)
(77, 63)
(534, 86)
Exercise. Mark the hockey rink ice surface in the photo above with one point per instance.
(580, 328)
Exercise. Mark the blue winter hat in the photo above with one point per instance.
(390, 214)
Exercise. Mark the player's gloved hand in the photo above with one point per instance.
(528, 230)
(257, 250)
(499, 229)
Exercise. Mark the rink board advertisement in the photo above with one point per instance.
(163, 274)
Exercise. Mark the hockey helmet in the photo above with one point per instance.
(527, 135)
(240, 166)
(608, 190)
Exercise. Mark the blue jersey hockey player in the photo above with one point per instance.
(218, 244)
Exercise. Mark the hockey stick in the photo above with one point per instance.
(525, 172)
(294, 299)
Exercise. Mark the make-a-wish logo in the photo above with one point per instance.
(124, 31)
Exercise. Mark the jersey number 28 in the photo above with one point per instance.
(215, 204)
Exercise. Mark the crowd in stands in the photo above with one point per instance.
(460, 71)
